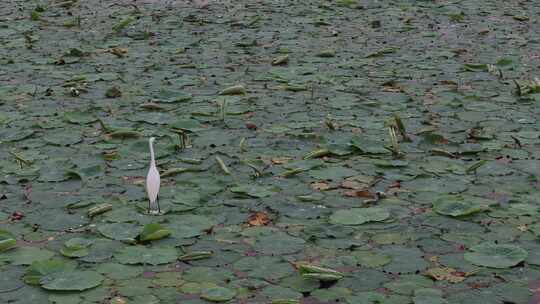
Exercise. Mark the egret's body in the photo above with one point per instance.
(152, 182)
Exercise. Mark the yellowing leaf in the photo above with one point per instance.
(258, 219)
(446, 274)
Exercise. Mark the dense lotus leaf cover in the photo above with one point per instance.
(349, 151)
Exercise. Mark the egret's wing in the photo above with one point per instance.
(152, 184)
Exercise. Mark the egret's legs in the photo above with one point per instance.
(151, 207)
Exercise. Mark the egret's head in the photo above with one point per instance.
(152, 140)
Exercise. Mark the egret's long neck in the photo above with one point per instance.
(152, 158)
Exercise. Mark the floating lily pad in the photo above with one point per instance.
(15, 135)
(217, 294)
(10, 279)
(63, 137)
(167, 279)
(28, 255)
(119, 271)
(75, 280)
(144, 255)
(372, 259)
(278, 243)
(86, 173)
(76, 247)
(269, 268)
(496, 255)
(404, 260)
(368, 146)
(171, 96)
(43, 268)
(368, 297)
(207, 275)
(254, 190)
(332, 173)
(101, 250)
(80, 117)
(460, 206)
(54, 220)
(407, 284)
(188, 226)
(358, 216)
(187, 124)
(120, 231)
(155, 118)
(276, 293)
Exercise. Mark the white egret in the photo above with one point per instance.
(152, 182)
